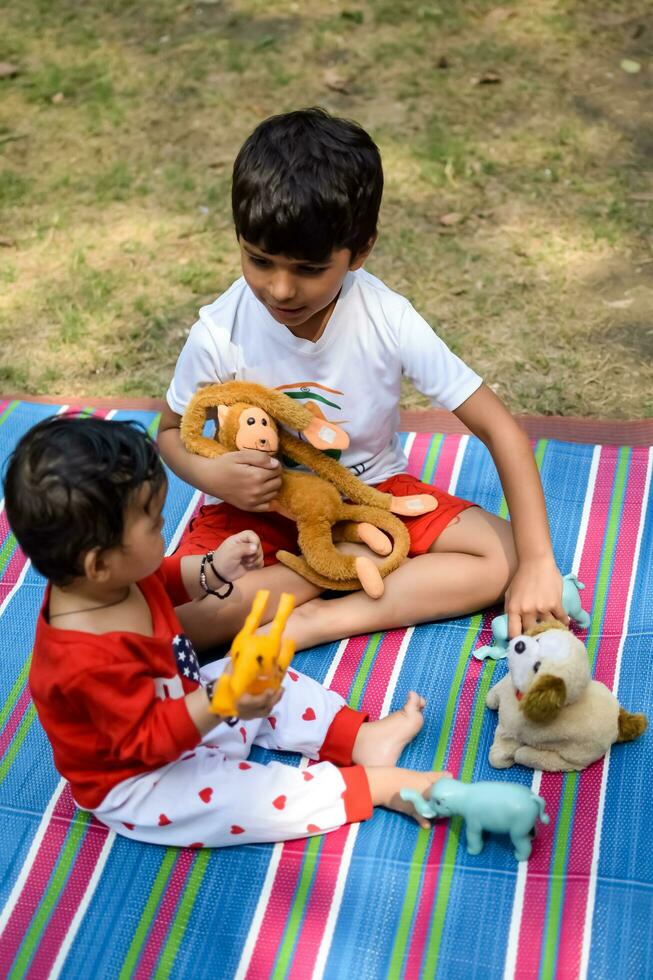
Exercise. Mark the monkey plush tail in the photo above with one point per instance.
(631, 726)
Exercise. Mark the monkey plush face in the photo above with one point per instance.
(247, 427)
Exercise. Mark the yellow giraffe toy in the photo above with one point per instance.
(258, 662)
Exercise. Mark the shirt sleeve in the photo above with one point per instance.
(434, 369)
(120, 701)
(204, 359)
(170, 573)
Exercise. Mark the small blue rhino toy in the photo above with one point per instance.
(501, 808)
(571, 588)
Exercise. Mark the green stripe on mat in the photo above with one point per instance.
(7, 551)
(14, 694)
(448, 861)
(147, 916)
(431, 458)
(11, 407)
(28, 718)
(424, 836)
(57, 881)
(184, 909)
(312, 850)
(296, 916)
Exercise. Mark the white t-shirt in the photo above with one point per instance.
(352, 373)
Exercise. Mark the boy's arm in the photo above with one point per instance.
(536, 588)
(248, 479)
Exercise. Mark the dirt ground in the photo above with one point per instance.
(518, 150)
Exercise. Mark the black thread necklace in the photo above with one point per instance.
(104, 605)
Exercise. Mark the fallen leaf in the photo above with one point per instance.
(498, 15)
(334, 80)
(488, 78)
(618, 304)
(630, 66)
(57, 98)
(7, 70)
(451, 218)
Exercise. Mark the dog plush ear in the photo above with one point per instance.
(544, 698)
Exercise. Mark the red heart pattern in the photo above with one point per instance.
(163, 820)
(243, 732)
(273, 722)
(308, 776)
(244, 765)
(309, 715)
(129, 826)
(205, 794)
(235, 829)
(313, 829)
(196, 845)
(279, 803)
(292, 675)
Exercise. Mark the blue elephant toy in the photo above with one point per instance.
(571, 589)
(501, 808)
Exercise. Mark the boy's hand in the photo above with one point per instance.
(238, 554)
(250, 479)
(534, 595)
(258, 705)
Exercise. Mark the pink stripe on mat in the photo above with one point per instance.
(418, 453)
(278, 909)
(37, 880)
(69, 899)
(165, 913)
(446, 461)
(537, 877)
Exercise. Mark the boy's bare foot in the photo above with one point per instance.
(380, 743)
(386, 784)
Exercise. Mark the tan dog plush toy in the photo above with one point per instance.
(248, 414)
(552, 715)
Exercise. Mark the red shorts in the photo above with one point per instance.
(215, 522)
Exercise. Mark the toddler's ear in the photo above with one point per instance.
(95, 567)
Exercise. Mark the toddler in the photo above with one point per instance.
(117, 685)
(308, 319)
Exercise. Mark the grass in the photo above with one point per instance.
(118, 132)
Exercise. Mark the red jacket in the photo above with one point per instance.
(112, 705)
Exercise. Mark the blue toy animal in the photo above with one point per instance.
(571, 588)
(501, 808)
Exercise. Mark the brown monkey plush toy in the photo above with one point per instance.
(249, 415)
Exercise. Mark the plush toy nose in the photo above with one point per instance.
(519, 646)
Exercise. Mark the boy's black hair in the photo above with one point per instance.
(67, 486)
(306, 182)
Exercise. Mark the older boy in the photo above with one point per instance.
(307, 318)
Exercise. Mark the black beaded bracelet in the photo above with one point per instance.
(208, 557)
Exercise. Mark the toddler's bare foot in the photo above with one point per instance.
(380, 743)
(386, 784)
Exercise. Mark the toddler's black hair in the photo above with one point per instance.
(67, 485)
(306, 182)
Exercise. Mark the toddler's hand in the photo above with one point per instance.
(238, 554)
(249, 479)
(534, 595)
(258, 705)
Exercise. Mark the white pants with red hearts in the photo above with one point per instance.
(214, 796)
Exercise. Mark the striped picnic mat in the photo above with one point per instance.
(381, 899)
